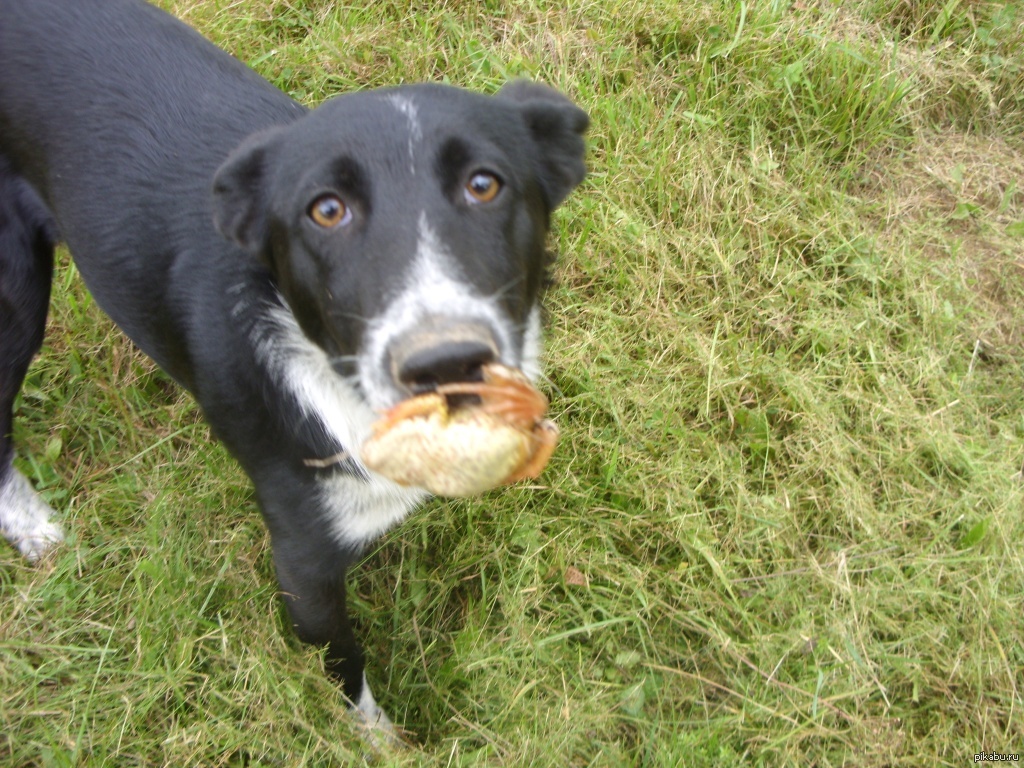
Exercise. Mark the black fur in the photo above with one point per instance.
(27, 237)
(182, 184)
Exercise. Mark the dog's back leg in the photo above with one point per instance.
(27, 236)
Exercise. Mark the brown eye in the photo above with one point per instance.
(328, 211)
(482, 187)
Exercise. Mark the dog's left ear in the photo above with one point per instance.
(239, 193)
(557, 126)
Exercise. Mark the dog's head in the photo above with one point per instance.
(406, 228)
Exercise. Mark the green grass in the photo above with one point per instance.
(784, 523)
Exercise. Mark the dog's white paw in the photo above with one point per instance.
(380, 731)
(25, 519)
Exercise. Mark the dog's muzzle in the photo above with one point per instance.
(441, 351)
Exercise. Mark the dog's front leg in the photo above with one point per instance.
(311, 568)
(313, 587)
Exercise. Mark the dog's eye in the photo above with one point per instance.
(482, 187)
(328, 211)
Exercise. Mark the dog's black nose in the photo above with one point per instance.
(441, 354)
(443, 364)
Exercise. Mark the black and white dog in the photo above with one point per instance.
(298, 271)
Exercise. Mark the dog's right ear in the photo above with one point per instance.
(557, 126)
(239, 193)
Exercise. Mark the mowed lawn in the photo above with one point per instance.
(786, 351)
